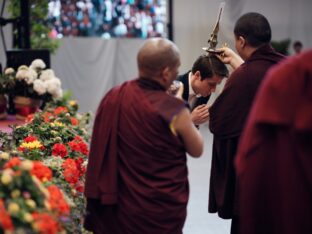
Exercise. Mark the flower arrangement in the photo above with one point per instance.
(34, 81)
(28, 202)
(56, 140)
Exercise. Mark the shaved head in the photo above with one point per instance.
(155, 55)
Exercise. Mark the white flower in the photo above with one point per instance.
(47, 75)
(54, 87)
(58, 94)
(9, 71)
(54, 162)
(32, 76)
(38, 64)
(29, 75)
(40, 87)
(22, 67)
(21, 74)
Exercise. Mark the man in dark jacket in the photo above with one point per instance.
(198, 84)
(229, 112)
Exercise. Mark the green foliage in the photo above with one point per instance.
(38, 28)
(281, 46)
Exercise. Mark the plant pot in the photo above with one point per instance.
(25, 106)
(3, 107)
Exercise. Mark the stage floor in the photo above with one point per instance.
(9, 120)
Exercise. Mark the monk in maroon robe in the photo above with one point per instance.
(230, 110)
(137, 174)
(274, 160)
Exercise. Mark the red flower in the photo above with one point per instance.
(47, 116)
(5, 219)
(74, 121)
(78, 145)
(13, 162)
(29, 118)
(30, 139)
(81, 169)
(41, 171)
(59, 150)
(71, 172)
(45, 224)
(80, 187)
(59, 110)
(57, 201)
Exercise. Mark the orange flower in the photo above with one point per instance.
(13, 162)
(41, 171)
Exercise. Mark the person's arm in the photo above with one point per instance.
(191, 137)
(228, 56)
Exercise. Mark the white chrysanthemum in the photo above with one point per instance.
(32, 76)
(29, 75)
(40, 87)
(38, 64)
(53, 85)
(22, 74)
(22, 67)
(9, 71)
(47, 75)
(57, 94)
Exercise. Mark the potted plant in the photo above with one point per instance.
(31, 86)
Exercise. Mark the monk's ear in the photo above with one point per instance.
(166, 73)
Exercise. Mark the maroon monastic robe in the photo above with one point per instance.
(227, 119)
(137, 175)
(274, 160)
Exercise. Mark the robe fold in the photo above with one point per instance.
(274, 160)
(136, 178)
(227, 119)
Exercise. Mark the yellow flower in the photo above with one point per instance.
(13, 208)
(31, 145)
(15, 193)
(27, 165)
(6, 177)
(4, 155)
(28, 217)
(72, 103)
(59, 124)
(31, 203)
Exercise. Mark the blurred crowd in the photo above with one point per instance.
(107, 18)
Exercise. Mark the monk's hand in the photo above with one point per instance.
(228, 56)
(176, 89)
(200, 114)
